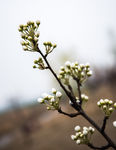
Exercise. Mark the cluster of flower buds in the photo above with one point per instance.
(51, 101)
(39, 64)
(82, 136)
(74, 70)
(107, 106)
(29, 35)
(49, 47)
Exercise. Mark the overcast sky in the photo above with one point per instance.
(81, 25)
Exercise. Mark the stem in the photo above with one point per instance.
(70, 115)
(104, 123)
(79, 89)
(102, 147)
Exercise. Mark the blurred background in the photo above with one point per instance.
(84, 31)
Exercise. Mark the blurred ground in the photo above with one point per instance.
(34, 128)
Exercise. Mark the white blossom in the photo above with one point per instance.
(40, 100)
(85, 132)
(68, 63)
(52, 100)
(78, 141)
(54, 90)
(73, 137)
(77, 128)
(114, 123)
(58, 94)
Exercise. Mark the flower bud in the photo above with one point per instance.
(38, 22)
(40, 100)
(77, 128)
(115, 105)
(73, 137)
(58, 94)
(111, 109)
(78, 142)
(67, 63)
(54, 91)
(89, 73)
(114, 123)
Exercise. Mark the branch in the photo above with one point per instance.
(71, 90)
(77, 106)
(102, 147)
(70, 96)
(79, 89)
(70, 115)
(104, 123)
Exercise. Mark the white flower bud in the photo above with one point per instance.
(101, 101)
(85, 128)
(25, 48)
(114, 123)
(38, 22)
(73, 137)
(58, 94)
(111, 109)
(77, 128)
(62, 68)
(82, 66)
(91, 129)
(78, 141)
(68, 63)
(54, 91)
(73, 65)
(45, 95)
(115, 105)
(85, 132)
(52, 100)
(110, 102)
(98, 103)
(89, 73)
(40, 100)
(87, 65)
(104, 107)
(35, 39)
(106, 101)
(48, 108)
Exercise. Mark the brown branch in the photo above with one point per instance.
(104, 123)
(102, 147)
(79, 89)
(72, 115)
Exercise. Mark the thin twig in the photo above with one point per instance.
(71, 90)
(102, 147)
(79, 89)
(72, 115)
(104, 123)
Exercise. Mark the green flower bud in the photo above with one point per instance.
(29, 38)
(54, 46)
(38, 22)
(115, 105)
(34, 67)
(110, 109)
(25, 48)
(35, 61)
